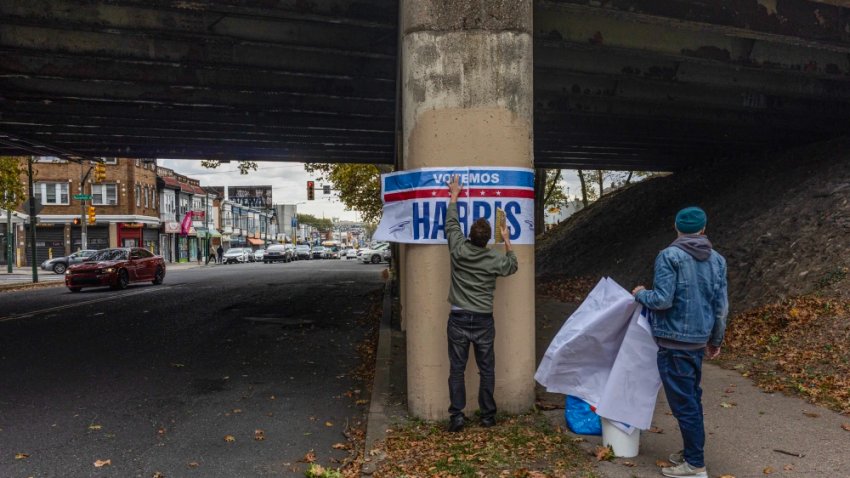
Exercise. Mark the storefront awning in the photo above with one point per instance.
(256, 242)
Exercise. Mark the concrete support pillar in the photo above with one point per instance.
(467, 101)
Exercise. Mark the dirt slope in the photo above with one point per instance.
(782, 222)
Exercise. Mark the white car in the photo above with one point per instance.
(376, 254)
(235, 255)
(259, 253)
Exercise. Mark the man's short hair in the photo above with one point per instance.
(480, 232)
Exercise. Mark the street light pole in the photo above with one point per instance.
(32, 221)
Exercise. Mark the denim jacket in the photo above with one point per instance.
(689, 301)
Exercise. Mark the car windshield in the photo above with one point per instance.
(303, 248)
(110, 255)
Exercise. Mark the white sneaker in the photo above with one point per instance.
(684, 470)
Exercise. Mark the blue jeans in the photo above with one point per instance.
(465, 328)
(681, 372)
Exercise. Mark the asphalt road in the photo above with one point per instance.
(154, 378)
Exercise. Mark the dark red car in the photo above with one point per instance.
(116, 268)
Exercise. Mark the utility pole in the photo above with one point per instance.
(207, 224)
(9, 248)
(84, 237)
(32, 221)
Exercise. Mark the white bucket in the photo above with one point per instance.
(623, 444)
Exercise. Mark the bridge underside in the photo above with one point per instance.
(651, 84)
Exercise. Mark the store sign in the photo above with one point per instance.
(258, 197)
(172, 227)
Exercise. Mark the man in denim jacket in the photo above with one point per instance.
(689, 307)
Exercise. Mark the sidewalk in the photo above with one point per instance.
(742, 436)
(22, 276)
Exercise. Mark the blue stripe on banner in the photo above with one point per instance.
(471, 177)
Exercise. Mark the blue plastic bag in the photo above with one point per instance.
(580, 418)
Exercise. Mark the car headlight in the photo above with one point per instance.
(107, 270)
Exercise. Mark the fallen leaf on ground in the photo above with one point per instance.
(811, 414)
(663, 463)
(229, 438)
(259, 435)
(846, 426)
(177, 365)
(237, 410)
(157, 474)
(21, 456)
(310, 457)
(340, 446)
(655, 430)
(329, 424)
(194, 464)
(361, 402)
(630, 464)
(788, 467)
(95, 427)
(727, 476)
(729, 390)
(536, 474)
(768, 470)
(727, 404)
(102, 463)
(604, 453)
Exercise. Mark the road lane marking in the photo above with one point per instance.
(87, 302)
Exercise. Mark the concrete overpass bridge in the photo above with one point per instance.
(610, 84)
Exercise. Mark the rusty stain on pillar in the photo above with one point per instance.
(467, 101)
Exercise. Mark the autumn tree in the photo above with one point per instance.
(245, 167)
(319, 223)
(13, 190)
(357, 185)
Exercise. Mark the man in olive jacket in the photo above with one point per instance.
(474, 271)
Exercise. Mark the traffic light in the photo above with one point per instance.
(311, 193)
(92, 215)
(99, 173)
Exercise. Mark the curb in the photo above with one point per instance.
(376, 422)
(22, 285)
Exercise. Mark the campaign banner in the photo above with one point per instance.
(416, 201)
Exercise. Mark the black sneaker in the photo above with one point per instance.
(488, 422)
(456, 423)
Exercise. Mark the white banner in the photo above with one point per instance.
(415, 203)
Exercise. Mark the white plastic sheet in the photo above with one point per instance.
(605, 354)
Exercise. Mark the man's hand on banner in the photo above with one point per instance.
(638, 289)
(455, 187)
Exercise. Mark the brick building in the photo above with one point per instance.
(125, 207)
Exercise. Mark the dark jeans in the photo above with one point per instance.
(479, 330)
(681, 372)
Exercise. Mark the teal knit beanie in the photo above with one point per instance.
(690, 220)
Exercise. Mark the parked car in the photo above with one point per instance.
(116, 268)
(302, 251)
(351, 254)
(277, 253)
(258, 254)
(59, 264)
(377, 253)
(235, 255)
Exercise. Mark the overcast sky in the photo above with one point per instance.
(289, 184)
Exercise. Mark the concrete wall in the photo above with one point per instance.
(467, 101)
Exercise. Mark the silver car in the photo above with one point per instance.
(59, 264)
